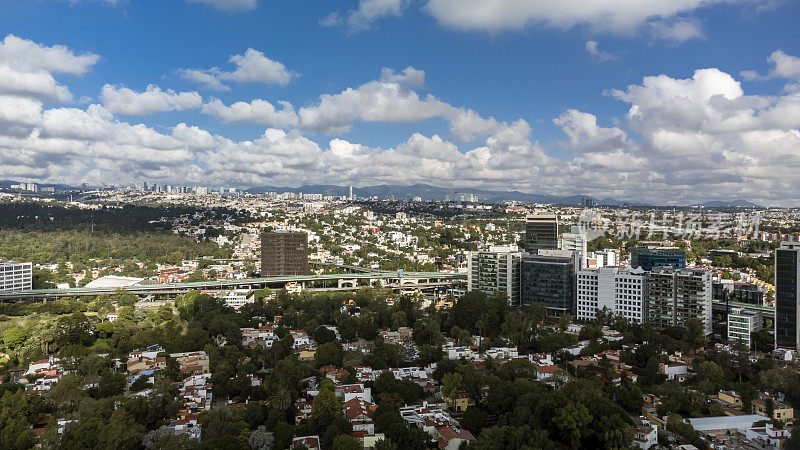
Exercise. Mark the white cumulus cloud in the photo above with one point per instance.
(677, 31)
(366, 14)
(27, 68)
(783, 66)
(251, 67)
(257, 111)
(229, 5)
(618, 16)
(121, 100)
(593, 48)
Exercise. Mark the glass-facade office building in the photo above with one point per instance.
(549, 279)
(541, 232)
(647, 259)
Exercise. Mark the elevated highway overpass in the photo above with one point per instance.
(724, 306)
(340, 282)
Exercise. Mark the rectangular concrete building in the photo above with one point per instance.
(15, 276)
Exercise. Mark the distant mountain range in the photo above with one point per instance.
(732, 203)
(59, 187)
(428, 192)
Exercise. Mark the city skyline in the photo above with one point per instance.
(659, 103)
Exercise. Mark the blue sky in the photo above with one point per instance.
(506, 72)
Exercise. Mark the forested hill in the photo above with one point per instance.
(129, 218)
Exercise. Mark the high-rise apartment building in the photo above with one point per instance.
(742, 324)
(575, 241)
(492, 272)
(620, 290)
(673, 296)
(284, 253)
(787, 270)
(541, 232)
(549, 278)
(648, 259)
(15, 276)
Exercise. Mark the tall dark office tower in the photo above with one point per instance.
(549, 278)
(284, 253)
(787, 264)
(541, 232)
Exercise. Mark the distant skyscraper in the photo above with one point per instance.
(284, 253)
(787, 268)
(575, 241)
(351, 192)
(541, 232)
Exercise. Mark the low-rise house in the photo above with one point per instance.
(306, 355)
(360, 413)
(366, 373)
(391, 337)
(301, 340)
(302, 408)
(731, 398)
(780, 410)
(455, 352)
(335, 374)
(196, 392)
(42, 374)
(347, 392)
(236, 298)
(186, 423)
(450, 438)
(310, 442)
(419, 415)
(576, 349)
(147, 360)
(675, 371)
(434, 419)
(646, 434)
(546, 372)
(263, 336)
(768, 436)
(501, 353)
(540, 358)
(459, 402)
(193, 362)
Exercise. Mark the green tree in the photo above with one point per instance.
(14, 337)
(345, 442)
(124, 298)
(572, 421)
(452, 384)
(330, 353)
